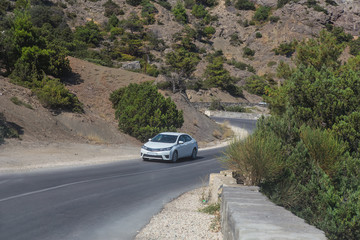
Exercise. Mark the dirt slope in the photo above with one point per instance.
(93, 85)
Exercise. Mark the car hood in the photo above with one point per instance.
(158, 145)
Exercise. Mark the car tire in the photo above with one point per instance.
(175, 157)
(194, 153)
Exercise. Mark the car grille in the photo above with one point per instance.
(151, 156)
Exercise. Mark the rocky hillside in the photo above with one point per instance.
(196, 51)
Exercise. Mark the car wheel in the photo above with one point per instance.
(175, 156)
(194, 153)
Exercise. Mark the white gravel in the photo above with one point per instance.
(181, 219)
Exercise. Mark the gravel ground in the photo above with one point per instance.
(181, 219)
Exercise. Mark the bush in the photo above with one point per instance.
(189, 4)
(262, 14)
(143, 112)
(235, 40)
(324, 148)
(54, 95)
(111, 8)
(89, 34)
(180, 13)
(133, 2)
(244, 5)
(274, 19)
(355, 47)
(286, 49)
(256, 85)
(247, 52)
(6, 129)
(258, 35)
(199, 11)
(235, 109)
(209, 31)
(256, 158)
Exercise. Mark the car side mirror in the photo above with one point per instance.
(181, 142)
(149, 139)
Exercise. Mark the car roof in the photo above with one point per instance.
(173, 133)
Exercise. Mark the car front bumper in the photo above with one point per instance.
(160, 155)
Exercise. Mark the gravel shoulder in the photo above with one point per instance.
(181, 219)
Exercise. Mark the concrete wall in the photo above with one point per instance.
(248, 214)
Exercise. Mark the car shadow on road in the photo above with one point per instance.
(178, 161)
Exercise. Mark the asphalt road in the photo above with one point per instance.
(106, 202)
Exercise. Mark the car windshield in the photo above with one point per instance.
(164, 138)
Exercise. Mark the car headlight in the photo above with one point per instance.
(166, 149)
(144, 147)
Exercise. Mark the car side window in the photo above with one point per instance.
(182, 138)
(188, 138)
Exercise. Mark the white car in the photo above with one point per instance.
(170, 146)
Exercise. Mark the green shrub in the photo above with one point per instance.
(111, 8)
(247, 52)
(90, 34)
(215, 75)
(323, 147)
(199, 11)
(355, 47)
(7, 130)
(281, 3)
(241, 65)
(286, 49)
(235, 109)
(180, 13)
(274, 19)
(271, 63)
(244, 5)
(256, 158)
(216, 105)
(209, 31)
(208, 3)
(165, 4)
(262, 14)
(148, 9)
(258, 35)
(235, 40)
(133, 2)
(256, 85)
(143, 112)
(18, 102)
(189, 4)
(54, 95)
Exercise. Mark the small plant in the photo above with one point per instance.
(235, 40)
(271, 63)
(18, 102)
(235, 109)
(247, 52)
(211, 209)
(274, 19)
(258, 35)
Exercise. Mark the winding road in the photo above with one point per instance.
(110, 201)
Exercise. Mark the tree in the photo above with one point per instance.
(183, 63)
(143, 112)
(215, 74)
(320, 51)
(90, 34)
